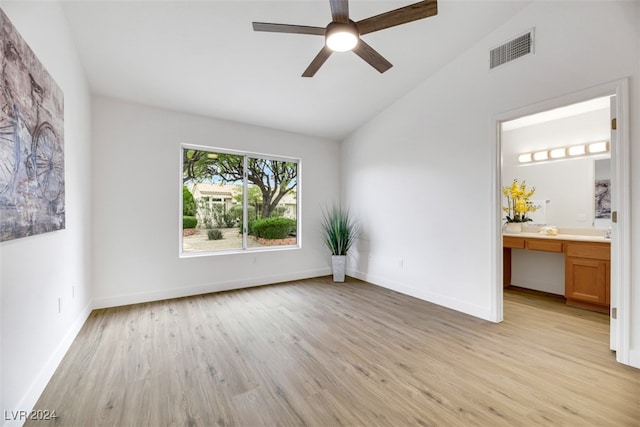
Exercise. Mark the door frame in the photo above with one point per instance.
(621, 231)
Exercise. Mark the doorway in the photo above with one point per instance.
(583, 218)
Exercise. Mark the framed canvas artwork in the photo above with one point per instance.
(603, 198)
(32, 196)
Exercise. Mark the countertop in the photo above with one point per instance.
(570, 237)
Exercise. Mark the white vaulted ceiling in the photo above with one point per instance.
(203, 57)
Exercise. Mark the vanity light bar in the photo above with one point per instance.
(577, 150)
(598, 147)
(541, 155)
(525, 158)
(562, 152)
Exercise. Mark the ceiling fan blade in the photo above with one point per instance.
(412, 12)
(372, 57)
(286, 28)
(340, 11)
(317, 62)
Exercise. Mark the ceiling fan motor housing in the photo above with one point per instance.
(341, 36)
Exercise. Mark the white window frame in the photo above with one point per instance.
(245, 204)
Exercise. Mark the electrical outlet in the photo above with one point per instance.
(59, 305)
(581, 217)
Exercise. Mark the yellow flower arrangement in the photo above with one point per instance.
(518, 203)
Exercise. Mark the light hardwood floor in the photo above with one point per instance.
(315, 353)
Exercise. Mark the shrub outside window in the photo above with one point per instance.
(234, 201)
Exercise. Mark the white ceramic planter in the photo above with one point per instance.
(514, 227)
(339, 266)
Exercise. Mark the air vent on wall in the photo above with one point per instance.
(511, 50)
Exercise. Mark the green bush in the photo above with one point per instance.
(189, 222)
(236, 211)
(214, 234)
(251, 213)
(273, 228)
(188, 202)
(250, 230)
(226, 218)
(230, 220)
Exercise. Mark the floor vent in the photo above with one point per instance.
(513, 49)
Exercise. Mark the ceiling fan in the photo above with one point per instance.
(342, 34)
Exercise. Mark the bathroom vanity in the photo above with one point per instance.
(587, 260)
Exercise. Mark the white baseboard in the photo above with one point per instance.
(33, 393)
(142, 297)
(439, 299)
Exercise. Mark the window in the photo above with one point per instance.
(235, 201)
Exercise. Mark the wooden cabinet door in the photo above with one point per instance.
(586, 280)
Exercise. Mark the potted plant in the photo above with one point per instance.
(518, 205)
(340, 231)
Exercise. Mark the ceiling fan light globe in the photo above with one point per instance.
(341, 41)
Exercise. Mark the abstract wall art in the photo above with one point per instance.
(32, 195)
(603, 198)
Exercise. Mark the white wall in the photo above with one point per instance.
(137, 187)
(433, 149)
(36, 270)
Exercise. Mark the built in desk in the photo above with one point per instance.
(587, 265)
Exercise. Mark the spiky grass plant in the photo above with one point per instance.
(340, 230)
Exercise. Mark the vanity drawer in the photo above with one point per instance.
(544, 245)
(513, 242)
(593, 250)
